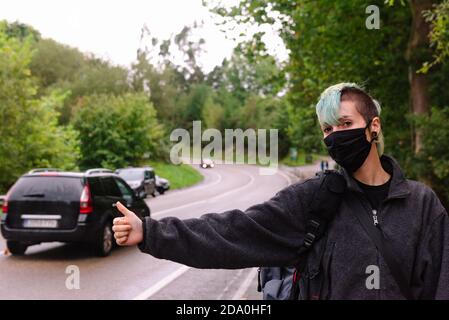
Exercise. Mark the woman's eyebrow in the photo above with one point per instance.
(344, 117)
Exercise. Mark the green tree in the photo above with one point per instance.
(47, 143)
(58, 66)
(55, 63)
(326, 47)
(433, 161)
(247, 73)
(97, 76)
(30, 135)
(193, 102)
(317, 35)
(212, 114)
(21, 31)
(163, 86)
(117, 131)
(241, 85)
(438, 18)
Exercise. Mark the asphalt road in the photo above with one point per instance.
(129, 274)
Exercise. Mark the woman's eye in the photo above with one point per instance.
(347, 123)
(326, 130)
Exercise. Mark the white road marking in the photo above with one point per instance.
(196, 187)
(162, 283)
(245, 285)
(208, 200)
(226, 289)
(289, 180)
(176, 274)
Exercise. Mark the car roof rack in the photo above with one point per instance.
(136, 168)
(44, 170)
(98, 170)
(125, 168)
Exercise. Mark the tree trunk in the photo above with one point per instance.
(417, 53)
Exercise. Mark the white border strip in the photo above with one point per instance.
(179, 272)
(245, 285)
(162, 283)
(208, 200)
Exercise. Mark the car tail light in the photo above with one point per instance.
(86, 201)
(5, 204)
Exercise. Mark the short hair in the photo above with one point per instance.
(328, 107)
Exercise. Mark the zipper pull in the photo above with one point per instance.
(259, 285)
(376, 222)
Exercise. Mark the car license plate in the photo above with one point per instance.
(35, 223)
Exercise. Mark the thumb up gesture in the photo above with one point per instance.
(127, 229)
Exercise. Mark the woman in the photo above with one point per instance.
(408, 213)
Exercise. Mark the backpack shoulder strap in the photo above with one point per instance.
(323, 204)
(321, 211)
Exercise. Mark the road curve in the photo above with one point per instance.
(129, 274)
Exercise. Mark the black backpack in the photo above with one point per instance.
(305, 280)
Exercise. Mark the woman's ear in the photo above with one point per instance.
(375, 128)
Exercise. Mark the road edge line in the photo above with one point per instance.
(245, 285)
(161, 284)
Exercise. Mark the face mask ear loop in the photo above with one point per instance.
(367, 126)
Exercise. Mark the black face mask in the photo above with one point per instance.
(349, 148)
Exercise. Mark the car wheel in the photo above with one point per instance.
(105, 240)
(161, 191)
(16, 248)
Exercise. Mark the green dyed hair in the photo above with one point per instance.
(328, 107)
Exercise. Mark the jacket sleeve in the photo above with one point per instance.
(266, 234)
(434, 260)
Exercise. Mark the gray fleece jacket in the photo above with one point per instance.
(413, 221)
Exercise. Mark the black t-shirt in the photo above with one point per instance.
(375, 194)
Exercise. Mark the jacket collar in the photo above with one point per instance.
(399, 187)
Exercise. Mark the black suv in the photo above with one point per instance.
(51, 205)
(141, 180)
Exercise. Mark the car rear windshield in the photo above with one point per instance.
(48, 188)
(131, 174)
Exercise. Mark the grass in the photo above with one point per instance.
(180, 176)
(240, 158)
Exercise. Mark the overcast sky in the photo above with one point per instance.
(111, 28)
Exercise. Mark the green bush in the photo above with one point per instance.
(180, 176)
(117, 131)
(432, 164)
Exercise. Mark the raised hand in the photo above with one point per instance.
(127, 229)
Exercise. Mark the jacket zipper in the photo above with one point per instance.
(375, 214)
(259, 285)
(375, 220)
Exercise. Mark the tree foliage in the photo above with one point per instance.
(116, 131)
(29, 130)
(329, 43)
(438, 17)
